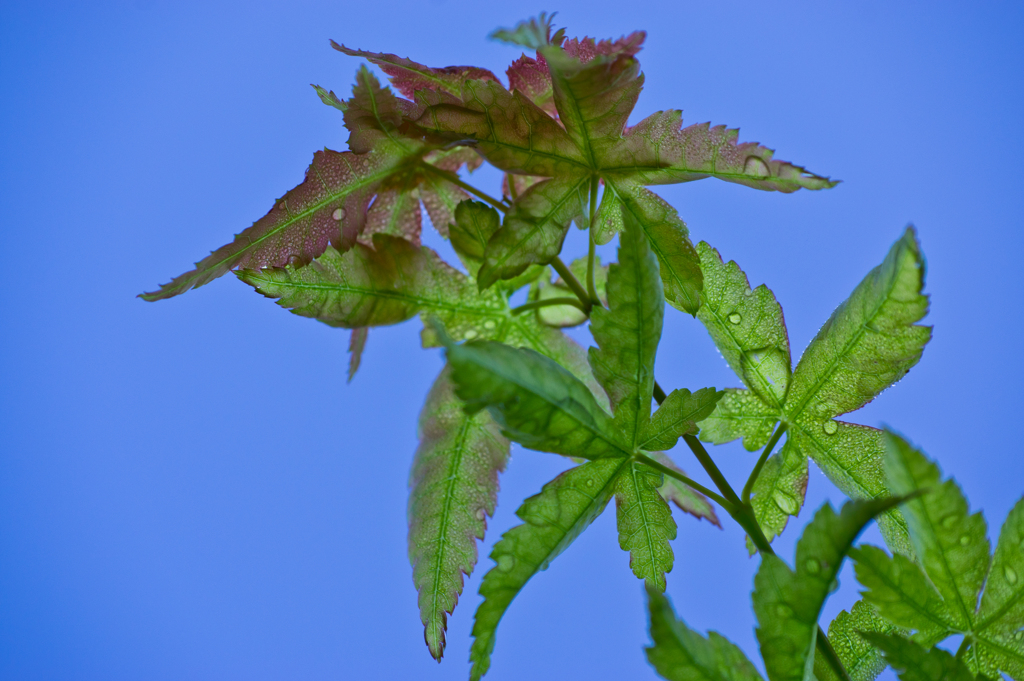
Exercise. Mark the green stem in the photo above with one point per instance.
(454, 179)
(824, 647)
(511, 187)
(547, 302)
(963, 647)
(683, 479)
(743, 514)
(591, 288)
(749, 487)
(570, 279)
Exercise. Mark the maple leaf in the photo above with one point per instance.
(376, 187)
(956, 586)
(868, 343)
(593, 88)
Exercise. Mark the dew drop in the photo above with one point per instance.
(949, 521)
(589, 484)
(489, 324)
(783, 610)
(830, 427)
(1019, 636)
(756, 167)
(505, 562)
(338, 214)
(812, 566)
(965, 540)
(294, 260)
(786, 503)
(735, 318)
(481, 514)
(1010, 574)
(470, 335)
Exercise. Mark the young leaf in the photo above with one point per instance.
(780, 489)
(333, 204)
(475, 223)
(951, 544)
(680, 654)
(453, 488)
(682, 495)
(627, 334)
(678, 415)
(954, 552)
(562, 316)
(915, 663)
(740, 414)
(870, 341)
(356, 345)
(534, 32)
(746, 326)
(552, 519)
(788, 602)
(645, 523)
(538, 403)
(901, 593)
(594, 87)
(861, 660)
(409, 76)
(329, 98)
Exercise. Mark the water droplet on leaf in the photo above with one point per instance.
(949, 521)
(786, 503)
(965, 540)
(470, 335)
(756, 167)
(294, 261)
(735, 318)
(783, 610)
(338, 214)
(830, 427)
(481, 514)
(812, 566)
(1010, 574)
(489, 324)
(505, 562)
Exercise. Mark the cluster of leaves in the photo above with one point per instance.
(954, 587)
(344, 247)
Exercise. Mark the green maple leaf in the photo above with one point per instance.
(914, 662)
(376, 187)
(594, 87)
(957, 587)
(859, 657)
(680, 654)
(540, 405)
(788, 602)
(868, 343)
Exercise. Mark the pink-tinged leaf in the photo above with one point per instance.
(374, 114)
(594, 98)
(328, 208)
(356, 345)
(645, 523)
(530, 77)
(441, 197)
(395, 212)
(519, 185)
(409, 76)
(587, 49)
(454, 487)
(685, 498)
(509, 130)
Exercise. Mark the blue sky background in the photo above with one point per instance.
(188, 489)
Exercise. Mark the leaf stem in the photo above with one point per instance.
(591, 288)
(963, 647)
(570, 279)
(749, 487)
(512, 193)
(547, 302)
(683, 479)
(743, 513)
(456, 180)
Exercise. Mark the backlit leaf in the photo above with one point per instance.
(552, 520)
(535, 32)
(739, 414)
(788, 602)
(913, 662)
(453, 488)
(682, 495)
(678, 415)
(678, 653)
(562, 316)
(628, 333)
(645, 523)
(861, 660)
(780, 489)
(356, 345)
